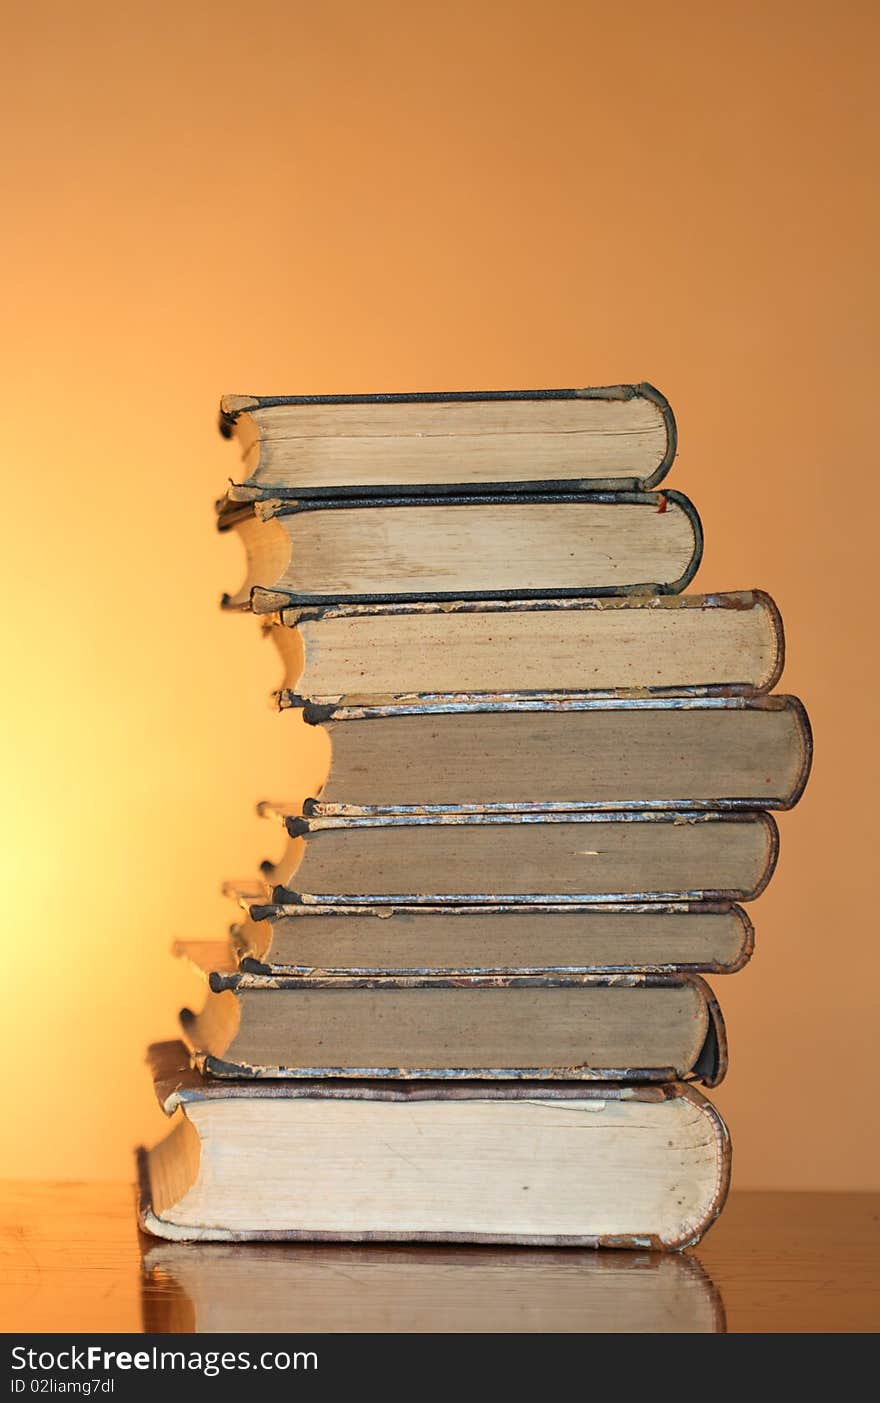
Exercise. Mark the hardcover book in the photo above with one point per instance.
(684, 937)
(655, 644)
(567, 753)
(619, 436)
(636, 1027)
(484, 859)
(336, 551)
(552, 1165)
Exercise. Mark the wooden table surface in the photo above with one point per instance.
(73, 1260)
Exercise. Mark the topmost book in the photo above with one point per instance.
(617, 437)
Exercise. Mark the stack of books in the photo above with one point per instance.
(466, 1001)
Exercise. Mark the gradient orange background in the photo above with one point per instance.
(282, 197)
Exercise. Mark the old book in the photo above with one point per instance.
(672, 938)
(636, 1027)
(643, 644)
(331, 1288)
(308, 445)
(491, 858)
(549, 1165)
(418, 756)
(464, 547)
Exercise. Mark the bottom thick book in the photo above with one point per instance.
(540, 1164)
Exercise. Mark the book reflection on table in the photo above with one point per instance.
(254, 1287)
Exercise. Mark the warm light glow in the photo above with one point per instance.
(291, 198)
